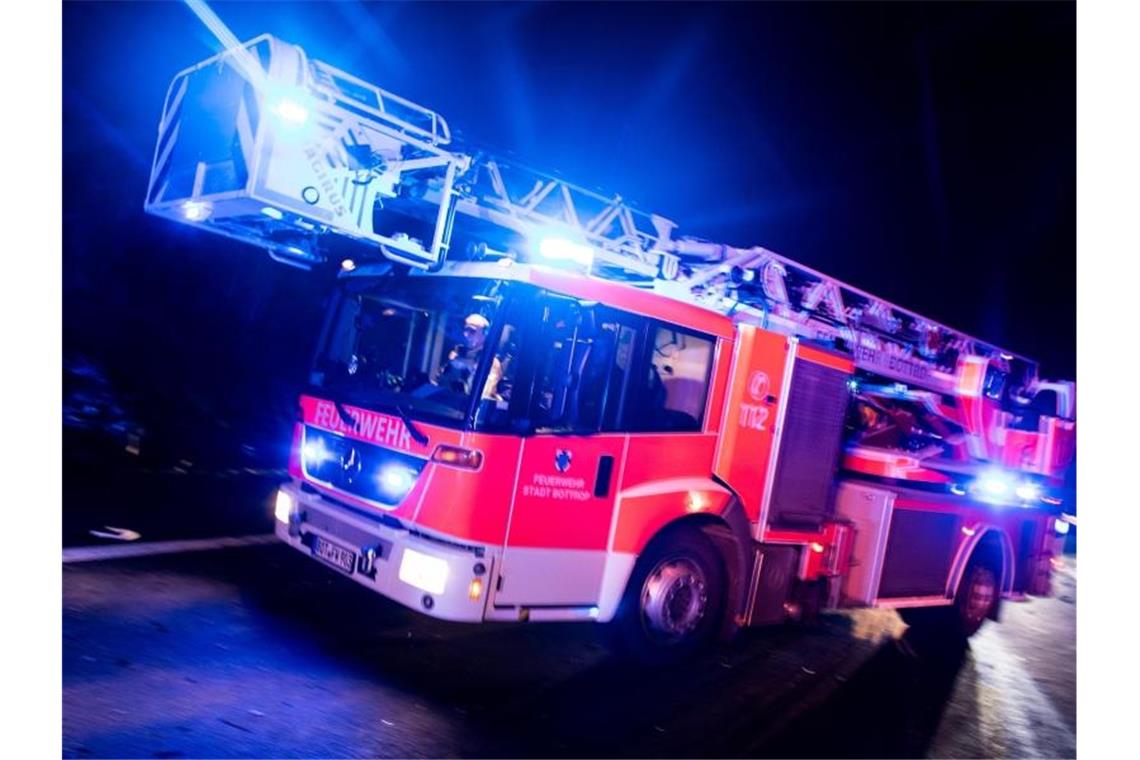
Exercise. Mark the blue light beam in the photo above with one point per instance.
(242, 59)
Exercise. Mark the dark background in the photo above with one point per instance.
(925, 152)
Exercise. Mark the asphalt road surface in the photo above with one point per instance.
(260, 652)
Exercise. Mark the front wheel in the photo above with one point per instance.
(674, 600)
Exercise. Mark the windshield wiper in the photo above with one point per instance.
(417, 434)
(345, 417)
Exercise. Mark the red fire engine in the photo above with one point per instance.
(532, 402)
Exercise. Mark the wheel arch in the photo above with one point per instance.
(991, 544)
(727, 529)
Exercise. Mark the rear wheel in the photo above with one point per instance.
(674, 599)
(977, 597)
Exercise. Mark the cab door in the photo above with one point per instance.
(571, 462)
(560, 520)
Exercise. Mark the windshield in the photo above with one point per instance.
(419, 345)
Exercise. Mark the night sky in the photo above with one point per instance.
(925, 152)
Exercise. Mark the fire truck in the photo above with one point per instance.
(532, 402)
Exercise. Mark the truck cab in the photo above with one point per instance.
(519, 441)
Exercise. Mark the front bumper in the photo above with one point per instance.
(380, 552)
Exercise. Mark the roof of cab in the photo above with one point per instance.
(628, 297)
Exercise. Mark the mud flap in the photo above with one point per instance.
(773, 578)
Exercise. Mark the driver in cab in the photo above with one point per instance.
(463, 360)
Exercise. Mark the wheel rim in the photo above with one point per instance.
(674, 598)
(980, 595)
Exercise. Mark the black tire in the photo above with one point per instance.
(674, 600)
(977, 596)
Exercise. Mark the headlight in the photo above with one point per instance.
(284, 507)
(424, 572)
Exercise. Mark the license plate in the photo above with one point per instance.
(334, 554)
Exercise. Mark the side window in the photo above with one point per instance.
(585, 367)
(604, 387)
(585, 355)
(561, 351)
(995, 383)
(670, 389)
(575, 362)
(493, 411)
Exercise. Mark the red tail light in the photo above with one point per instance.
(456, 456)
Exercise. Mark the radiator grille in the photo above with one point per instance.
(358, 468)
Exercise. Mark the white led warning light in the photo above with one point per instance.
(196, 211)
(561, 249)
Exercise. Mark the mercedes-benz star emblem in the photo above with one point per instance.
(350, 464)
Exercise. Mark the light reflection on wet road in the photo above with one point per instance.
(1015, 695)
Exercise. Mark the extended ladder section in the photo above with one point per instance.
(261, 144)
(883, 338)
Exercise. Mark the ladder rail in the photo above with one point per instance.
(325, 78)
(757, 258)
(893, 307)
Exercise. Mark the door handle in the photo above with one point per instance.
(605, 471)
